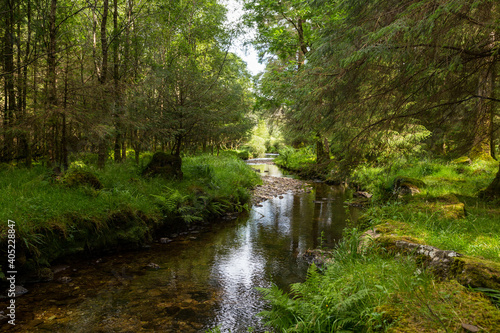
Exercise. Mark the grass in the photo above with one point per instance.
(447, 213)
(374, 291)
(53, 219)
(367, 291)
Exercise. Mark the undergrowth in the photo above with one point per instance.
(345, 295)
(447, 212)
(372, 291)
(53, 217)
(363, 290)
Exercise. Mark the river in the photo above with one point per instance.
(203, 279)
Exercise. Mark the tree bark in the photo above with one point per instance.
(9, 92)
(493, 190)
(102, 146)
(116, 92)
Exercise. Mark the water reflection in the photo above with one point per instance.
(204, 281)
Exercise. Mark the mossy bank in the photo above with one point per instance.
(86, 210)
(424, 257)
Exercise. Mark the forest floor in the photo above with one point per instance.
(446, 242)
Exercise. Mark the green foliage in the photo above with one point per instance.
(344, 296)
(263, 140)
(493, 294)
(295, 159)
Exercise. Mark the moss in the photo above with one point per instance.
(407, 181)
(475, 272)
(77, 177)
(443, 306)
(389, 233)
(456, 211)
(462, 160)
(45, 274)
(165, 165)
(445, 207)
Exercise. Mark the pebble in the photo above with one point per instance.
(276, 187)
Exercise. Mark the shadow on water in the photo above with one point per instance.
(204, 280)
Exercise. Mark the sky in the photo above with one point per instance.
(247, 53)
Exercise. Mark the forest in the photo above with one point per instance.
(101, 77)
(380, 96)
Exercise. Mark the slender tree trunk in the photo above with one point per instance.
(64, 132)
(25, 134)
(117, 102)
(9, 94)
(51, 79)
(322, 150)
(102, 146)
(493, 112)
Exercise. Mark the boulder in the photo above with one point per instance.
(407, 186)
(164, 165)
(468, 271)
(78, 177)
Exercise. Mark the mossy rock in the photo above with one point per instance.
(456, 307)
(407, 185)
(164, 165)
(462, 160)
(453, 211)
(447, 206)
(389, 233)
(45, 274)
(79, 177)
(475, 272)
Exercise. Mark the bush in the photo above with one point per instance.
(295, 159)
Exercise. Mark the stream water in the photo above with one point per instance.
(203, 279)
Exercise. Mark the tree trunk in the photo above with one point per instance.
(51, 80)
(484, 115)
(117, 104)
(102, 146)
(322, 151)
(26, 148)
(493, 190)
(9, 93)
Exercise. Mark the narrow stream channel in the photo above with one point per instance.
(205, 279)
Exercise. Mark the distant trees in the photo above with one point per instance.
(101, 76)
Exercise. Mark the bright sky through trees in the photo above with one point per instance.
(247, 53)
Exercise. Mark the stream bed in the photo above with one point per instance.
(203, 279)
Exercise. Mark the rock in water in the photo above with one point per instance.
(20, 290)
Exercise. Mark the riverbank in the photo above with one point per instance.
(446, 277)
(58, 215)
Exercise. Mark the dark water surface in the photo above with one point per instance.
(205, 278)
